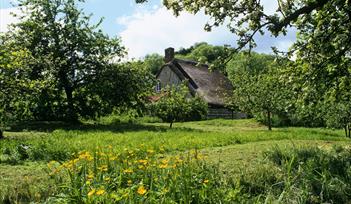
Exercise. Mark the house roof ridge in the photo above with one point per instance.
(191, 62)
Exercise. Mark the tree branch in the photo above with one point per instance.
(278, 26)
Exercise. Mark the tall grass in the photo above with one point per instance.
(298, 175)
(304, 175)
(138, 176)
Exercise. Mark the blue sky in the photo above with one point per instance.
(150, 28)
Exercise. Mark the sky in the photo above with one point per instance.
(150, 27)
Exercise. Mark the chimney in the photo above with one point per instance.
(169, 54)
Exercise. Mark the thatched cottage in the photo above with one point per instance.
(212, 86)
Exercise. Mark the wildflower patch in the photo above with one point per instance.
(138, 175)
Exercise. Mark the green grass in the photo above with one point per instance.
(235, 145)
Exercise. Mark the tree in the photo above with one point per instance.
(258, 88)
(176, 104)
(207, 54)
(247, 18)
(17, 89)
(153, 62)
(322, 49)
(125, 85)
(68, 50)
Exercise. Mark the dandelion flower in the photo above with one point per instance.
(90, 176)
(206, 181)
(113, 158)
(91, 192)
(163, 166)
(143, 161)
(128, 171)
(103, 168)
(141, 190)
(165, 161)
(100, 192)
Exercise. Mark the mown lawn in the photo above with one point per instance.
(236, 146)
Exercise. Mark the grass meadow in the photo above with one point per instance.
(122, 160)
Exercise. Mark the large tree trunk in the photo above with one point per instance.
(1, 134)
(345, 128)
(269, 120)
(71, 113)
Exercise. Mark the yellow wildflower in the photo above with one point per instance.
(113, 158)
(163, 166)
(150, 151)
(128, 171)
(206, 181)
(90, 176)
(103, 168)
(141, 190)
(100, 192)
(86, 156)
(129, 182)
(51, 163)
(165, 161)
(143, 161)
(107, 179)
(92, 192)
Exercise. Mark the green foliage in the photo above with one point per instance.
(69, 52)
(248, 18)
(153, 62)
(207, 54)
(138, 175)
(258, 87)
(321, 71)
(312, 175)
(18, 90)
(125, 86)
(176, 104)
(26, 181)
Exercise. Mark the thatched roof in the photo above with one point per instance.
(212, 86)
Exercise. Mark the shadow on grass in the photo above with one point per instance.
(118, 127)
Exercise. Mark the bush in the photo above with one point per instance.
(177, 105)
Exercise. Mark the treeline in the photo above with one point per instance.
(275, 89)
(56, 65)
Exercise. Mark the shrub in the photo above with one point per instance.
(176, 104)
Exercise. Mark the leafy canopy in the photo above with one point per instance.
(74, 56)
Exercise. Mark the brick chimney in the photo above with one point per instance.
(169, 54)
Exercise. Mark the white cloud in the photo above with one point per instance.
(152, 32)
(6, 17)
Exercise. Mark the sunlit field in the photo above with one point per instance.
(142, 160)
